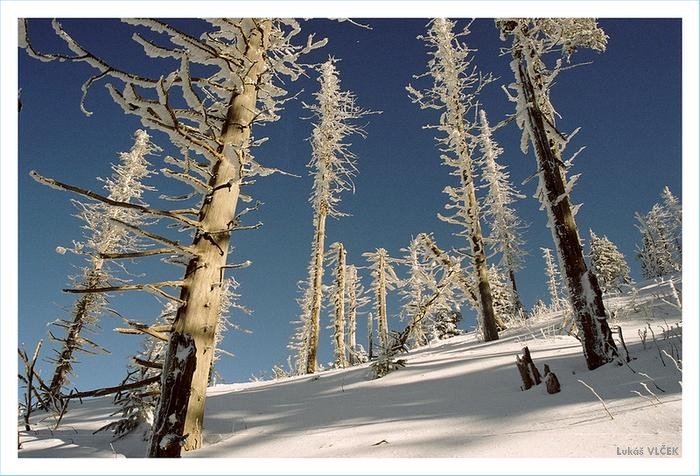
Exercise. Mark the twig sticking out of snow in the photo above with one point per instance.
(676, 362)
(605, 407)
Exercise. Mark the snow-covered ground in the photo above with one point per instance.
(455, 398)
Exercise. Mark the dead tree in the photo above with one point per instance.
(210, 120)
(454, 91)
(168, 432)
(530, 376)
(532, 39)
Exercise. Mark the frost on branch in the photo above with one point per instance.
(193, 110)
(384, 278)
(102, 236)
(661, 249)
(504, 223)
(431, 293)
(454, 91)
(532, 41)
(332, 165)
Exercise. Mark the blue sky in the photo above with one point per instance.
(627, 103)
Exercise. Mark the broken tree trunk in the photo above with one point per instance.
(168, 438)
(551, 381)
(531, 376)
(528, 372)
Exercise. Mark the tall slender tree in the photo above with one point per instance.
(384, 279)
(355, 299)
(333, 166)
(338, 291)
(553, 278)
(504, 223)
(532, 40)
(102, 238)
(209, 118)
(454, 90)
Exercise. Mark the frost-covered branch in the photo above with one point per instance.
(456, 84)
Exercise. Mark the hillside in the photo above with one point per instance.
(455, 398)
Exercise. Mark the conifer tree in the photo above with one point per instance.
(338, 295)
(660, 252)
(356, 300)
(210, 119)
(454, 90)
(553, 278)
(608, 263)
(333, 166)
(532, 42)
(384, 279)
(504, 224)
(102, 239)
(504, 304)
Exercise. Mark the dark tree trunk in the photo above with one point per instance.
(584, 291)
(167, 438)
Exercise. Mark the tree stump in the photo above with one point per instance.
(531, 376)
(551, 381)
(167, 438)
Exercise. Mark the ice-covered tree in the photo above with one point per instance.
(674, 220)
(533, 41)
(356, 300)
(608, 263)
(504, 223)
(454, 91)
(240, 66)
(414, 288)
(553, 278)
(338, 294)
(658, 252)
(384, 279)
(102, 239)
(333, 166)
(426, 309)
(503, 302)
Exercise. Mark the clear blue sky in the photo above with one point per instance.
(627, 102)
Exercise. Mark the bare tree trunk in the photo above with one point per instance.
(201, 290)
(317, 284)
(352, 316)
(168, 435)
(340, 359)
(382, 322)
(370, 331)
(597, 340)
(489, 328)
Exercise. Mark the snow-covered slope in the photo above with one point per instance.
(455, 398)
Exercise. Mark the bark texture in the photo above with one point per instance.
(201, 290)
(584, 291)
(168, 436)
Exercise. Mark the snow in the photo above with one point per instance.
(455, 398)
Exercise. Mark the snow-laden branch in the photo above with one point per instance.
(53, 183)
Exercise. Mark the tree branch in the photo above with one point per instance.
(137, 254)
(110, 390)
(95, 196)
